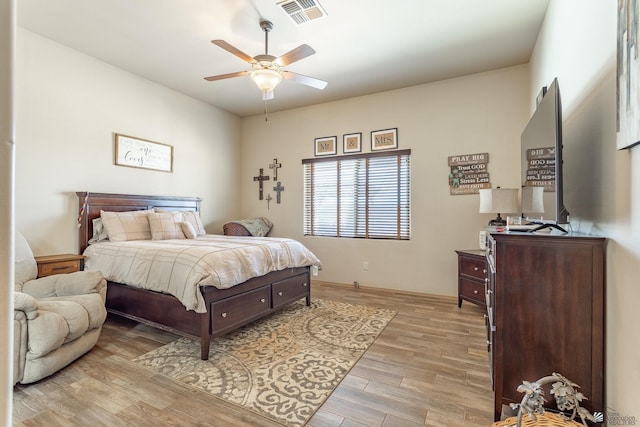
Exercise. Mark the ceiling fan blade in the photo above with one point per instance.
(294, 55)
(234, 50)
(226, 76)
(305, 80)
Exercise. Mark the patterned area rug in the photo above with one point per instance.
(283, 366)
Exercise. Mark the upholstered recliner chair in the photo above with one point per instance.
(56, 318)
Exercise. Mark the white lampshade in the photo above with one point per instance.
(532, 200)
(266, 80)
(498, 201)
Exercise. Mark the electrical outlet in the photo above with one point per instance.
(314, 270)
(365, 266)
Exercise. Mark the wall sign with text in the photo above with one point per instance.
(541, 168)
(141, 153)
(468, 173)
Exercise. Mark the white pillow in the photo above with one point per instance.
(188, 230)
(193, 218)
(166, 225)
(99, 233)
(123, 226)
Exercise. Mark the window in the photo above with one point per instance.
(361, 196)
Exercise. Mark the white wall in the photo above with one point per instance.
(602, 192)
(68, 107)
(473, 114)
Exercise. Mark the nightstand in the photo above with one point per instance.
(472, 269)
(59, 264)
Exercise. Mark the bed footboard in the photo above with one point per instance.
(227, 309)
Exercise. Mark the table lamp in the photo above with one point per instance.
(497, 201)
(532, 201)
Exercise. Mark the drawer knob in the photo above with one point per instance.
(475, 291)
(280, 293)
(475, 268)
(262, 300)
(224, 315)
(304, 284)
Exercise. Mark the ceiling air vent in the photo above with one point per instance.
(301, 11)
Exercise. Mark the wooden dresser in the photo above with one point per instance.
(546, 313)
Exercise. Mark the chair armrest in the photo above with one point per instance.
(25, 303)
(59, 285)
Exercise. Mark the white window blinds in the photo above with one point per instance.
(360, 196)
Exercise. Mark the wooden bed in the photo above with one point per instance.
(227, 309)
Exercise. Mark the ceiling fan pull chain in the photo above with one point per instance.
(266, 118)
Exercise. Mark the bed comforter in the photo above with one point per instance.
(179, 267)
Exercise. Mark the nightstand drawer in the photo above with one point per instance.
(473, 267)
(472, 291)
(59, 264)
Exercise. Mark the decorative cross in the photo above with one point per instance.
(260, 178)
(275, 165)
(278, 189)
(268, 199)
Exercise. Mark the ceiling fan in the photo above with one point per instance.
(267, 70)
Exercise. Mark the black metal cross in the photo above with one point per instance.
(260, 178)
(275, 165)
(278, 189)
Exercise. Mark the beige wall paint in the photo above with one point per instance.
(577, 45)
(68, 107)
(473, 114)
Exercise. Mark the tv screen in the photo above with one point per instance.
(541, 145)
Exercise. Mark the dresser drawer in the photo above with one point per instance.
(472, 291)
(289, 290)
(472, 267)
(229, 312)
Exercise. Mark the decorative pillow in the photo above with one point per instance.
(99, 233)
(166, 225)
(188, 230)
(191, 217)
(123, 226)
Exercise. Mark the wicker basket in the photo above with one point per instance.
(548, 419)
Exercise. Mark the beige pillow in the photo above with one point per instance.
(193, 218)
(188, 230)
(166, 225)
(123, 226)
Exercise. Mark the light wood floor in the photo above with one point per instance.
(428, 367)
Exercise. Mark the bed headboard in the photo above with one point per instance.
(90, 205)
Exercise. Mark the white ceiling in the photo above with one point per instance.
(363, 46)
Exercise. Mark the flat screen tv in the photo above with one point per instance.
(541, 145)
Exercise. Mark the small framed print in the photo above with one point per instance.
(384, 139)
(325, 146)
(352, 143)
(141, 153)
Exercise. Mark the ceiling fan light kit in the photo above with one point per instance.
(266, 80)
(267, 72)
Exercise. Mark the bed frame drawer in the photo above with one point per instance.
(231, 312)
(288, 290)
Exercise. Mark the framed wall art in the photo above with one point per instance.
(628, 75)
(325, 146)
(141, 153)
(352, 143)
(384, 139)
